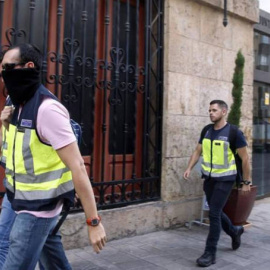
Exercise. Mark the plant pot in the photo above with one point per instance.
(239, 205)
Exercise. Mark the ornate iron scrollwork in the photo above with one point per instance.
(12, 32)
(109, 76)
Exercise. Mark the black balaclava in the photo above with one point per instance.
(21, 84)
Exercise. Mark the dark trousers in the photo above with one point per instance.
(217, 193)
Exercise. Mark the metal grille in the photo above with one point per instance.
(103, 59)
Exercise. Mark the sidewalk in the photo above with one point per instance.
(178, 249)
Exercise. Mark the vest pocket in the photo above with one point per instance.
(220, 153)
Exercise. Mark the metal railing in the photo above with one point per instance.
(104, 60)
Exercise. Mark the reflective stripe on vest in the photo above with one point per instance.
(213, 174)
(39, 172)
(4, 146)
(218, 159)
(31, 191)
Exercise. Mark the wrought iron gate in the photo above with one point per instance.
(104, 60)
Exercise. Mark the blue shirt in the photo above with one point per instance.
(240, 139)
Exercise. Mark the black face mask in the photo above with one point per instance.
(21, 84)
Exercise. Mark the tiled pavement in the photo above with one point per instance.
(178, 249)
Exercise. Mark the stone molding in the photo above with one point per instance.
(241, 8)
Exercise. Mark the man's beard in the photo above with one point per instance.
(215, 120)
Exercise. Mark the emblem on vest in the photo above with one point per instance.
(223, 138)
(26, 123)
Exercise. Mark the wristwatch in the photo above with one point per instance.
(246, 182)
(93, 221)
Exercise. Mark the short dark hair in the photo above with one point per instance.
(29, 53)
(220, 103)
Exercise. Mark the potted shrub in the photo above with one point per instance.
(239, 204)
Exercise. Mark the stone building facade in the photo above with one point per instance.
(199, 55)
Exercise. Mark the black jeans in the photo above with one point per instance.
(217, 193)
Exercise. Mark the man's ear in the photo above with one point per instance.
(30, 65)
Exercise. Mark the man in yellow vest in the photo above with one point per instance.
(219, 173)
(43, 165)
(8, 215)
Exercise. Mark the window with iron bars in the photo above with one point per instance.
(104, 60)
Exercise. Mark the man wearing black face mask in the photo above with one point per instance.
(7, 215)
(42, 164)
(27, 74)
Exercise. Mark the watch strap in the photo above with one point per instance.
(93, 221)
(246, 182)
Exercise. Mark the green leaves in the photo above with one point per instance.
(238, 78)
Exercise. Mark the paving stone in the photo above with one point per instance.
(84, 265)
(151, 267)
(135, 264)
(179, 248)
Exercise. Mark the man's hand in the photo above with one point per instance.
(6, 115)
(245, 188)
(97, 237)
(193, 160)
(186, 174)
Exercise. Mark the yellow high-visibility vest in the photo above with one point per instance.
(4, 146)
(218, 159)
(36, 177)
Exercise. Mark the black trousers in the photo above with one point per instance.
(217, 193)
